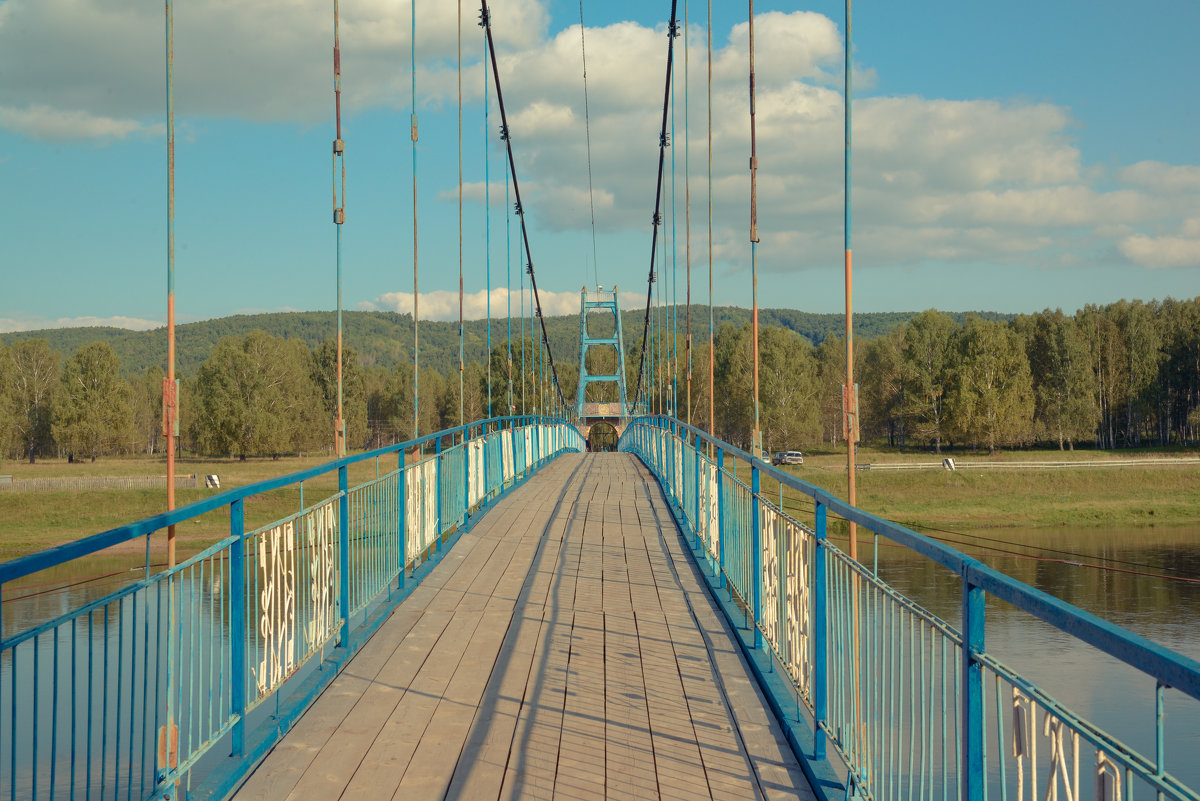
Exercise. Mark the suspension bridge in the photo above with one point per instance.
(493, 611)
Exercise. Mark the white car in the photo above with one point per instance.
(787, 457)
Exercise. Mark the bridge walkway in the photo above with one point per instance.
(565, 648)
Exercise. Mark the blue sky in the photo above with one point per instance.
(1008, 156)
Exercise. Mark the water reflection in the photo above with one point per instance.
(1147, 581)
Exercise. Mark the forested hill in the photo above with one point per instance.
(384, 339)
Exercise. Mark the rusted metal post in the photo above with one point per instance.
(849, 393)
(170, 388)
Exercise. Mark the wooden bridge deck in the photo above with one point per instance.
(564, 648)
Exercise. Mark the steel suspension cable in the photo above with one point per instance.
(673, 309)
(587, 128)
(485, 20)
(687, 215)
(656, 220)
(487, 225)
(416, 295)
(461, 399)
(339, 217)
(756, 433)
(712, 404)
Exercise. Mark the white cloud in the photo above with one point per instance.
(443, 304)
(961, 180)
(35, 323)
(44, 122)
(1165, 252)
(261, 60)
(1160, 177)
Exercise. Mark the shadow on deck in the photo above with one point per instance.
(565, 648)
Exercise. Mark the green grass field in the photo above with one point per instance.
(964, 499)
(1136, 495)
(30, 521)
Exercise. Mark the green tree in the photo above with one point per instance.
(1063, 382)
(929, 360)
(883, 384)
(789, 390)
(256, 395)
(432, 388)
(1142, 339)
(474, 406)
(146, 403)
(7, 414)
(390, 405)
(992, 399)
(354, 397)
(32, 382)
(831, 360)
(93, 416)
(734, 385)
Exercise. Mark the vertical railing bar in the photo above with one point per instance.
(913, 712)
(897, 682)
(983, 733)
(193, 668)
(237, 620)
(820, 633)
(158, 665)
(972, 677)
(923, 707)
(54, 713)
(721, 527)
(13, 704)
(402, 523)
(1001, 757)
(344, 554)
(133, 641)
(104, 709)
(203, 646)
(756, 577)
(944, 715)
(74, 699)
(1160, 744)
(36, 678)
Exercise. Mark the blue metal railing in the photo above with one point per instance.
(911, 705)
(142, 692)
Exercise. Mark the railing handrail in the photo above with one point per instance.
(1167, 666)
(22, 566)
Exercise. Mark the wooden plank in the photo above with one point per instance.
(554, 653)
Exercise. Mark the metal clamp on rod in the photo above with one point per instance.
(339, 198)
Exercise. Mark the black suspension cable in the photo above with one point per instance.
(485, 21)
(656, 220)
(587, 128)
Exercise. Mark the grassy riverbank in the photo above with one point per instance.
(31, 521)
(966, 499)
(973, 498)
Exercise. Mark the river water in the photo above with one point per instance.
(1145, 580)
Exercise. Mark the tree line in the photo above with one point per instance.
(1122, 375)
